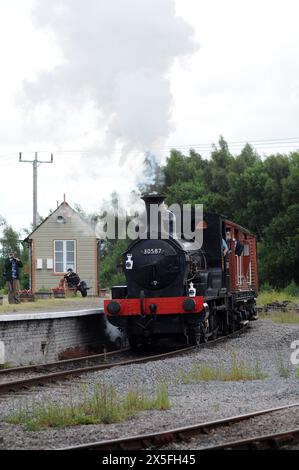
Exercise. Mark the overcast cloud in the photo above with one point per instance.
(117, 54)
(104, 76)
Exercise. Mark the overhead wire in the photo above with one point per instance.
(286, 143)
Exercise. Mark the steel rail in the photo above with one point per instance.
(61, 375)
(46, 365)
(160, 439)
(26, 383)
(264, 442)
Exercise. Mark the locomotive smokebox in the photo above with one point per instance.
(153, 214)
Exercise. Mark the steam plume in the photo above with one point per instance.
(117, 55)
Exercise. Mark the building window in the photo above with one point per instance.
(64, 255)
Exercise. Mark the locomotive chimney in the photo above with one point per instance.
(153, 227)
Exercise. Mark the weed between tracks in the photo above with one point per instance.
(283, 368)
(105, 406)
(237, 371)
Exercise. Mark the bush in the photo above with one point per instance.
(266, 287)
(292, 289)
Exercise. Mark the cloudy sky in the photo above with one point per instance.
(100, 82)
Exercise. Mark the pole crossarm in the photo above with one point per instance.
(35, 160)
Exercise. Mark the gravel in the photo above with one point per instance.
(265, 343)
(279, 421)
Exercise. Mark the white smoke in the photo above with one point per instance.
(113, 333)
(117, 56)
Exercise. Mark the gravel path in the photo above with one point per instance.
(265, 343)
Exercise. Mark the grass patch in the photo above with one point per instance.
(284, 370)
(237, 371)
(280, 317)
(268, 297)
(105, 406)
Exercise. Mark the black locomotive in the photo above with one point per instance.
(175, 287)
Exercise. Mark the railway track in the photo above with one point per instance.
(158, 440)
(70, 368)
(274, 441)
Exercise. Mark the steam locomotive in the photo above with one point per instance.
(176, 287)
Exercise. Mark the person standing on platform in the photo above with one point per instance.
(12, 267)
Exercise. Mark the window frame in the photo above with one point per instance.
(64, 255)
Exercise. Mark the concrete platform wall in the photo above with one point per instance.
(40, 338)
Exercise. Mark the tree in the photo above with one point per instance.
(2, 221)
(260, 194)
(153, 175)
(9, 242)
(279, 249)
(290, 190)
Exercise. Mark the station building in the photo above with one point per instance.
(63, 240)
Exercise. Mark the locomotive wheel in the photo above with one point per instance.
(233, 322)
(194, 335)
(205, 331)
(215, 333)
(214, 326)
(253, 313)
(194, 339)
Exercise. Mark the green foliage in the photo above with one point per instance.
(270, 295)
(292, 289)
(110, 269)
(104, 406)
(260, 194)
(238, 370)
(153, 176)
(266, 288)
(10, 241)
(283, 368)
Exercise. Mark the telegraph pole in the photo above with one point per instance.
(35, 163)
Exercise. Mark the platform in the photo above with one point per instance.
(28, 337)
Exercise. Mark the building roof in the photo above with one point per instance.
(63, 204)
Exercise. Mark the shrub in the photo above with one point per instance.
(292, 289)
(44, 289)
(266, 287)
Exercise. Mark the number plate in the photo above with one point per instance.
(152, 251)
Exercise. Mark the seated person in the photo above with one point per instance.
(73, 282)
(72, 279)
